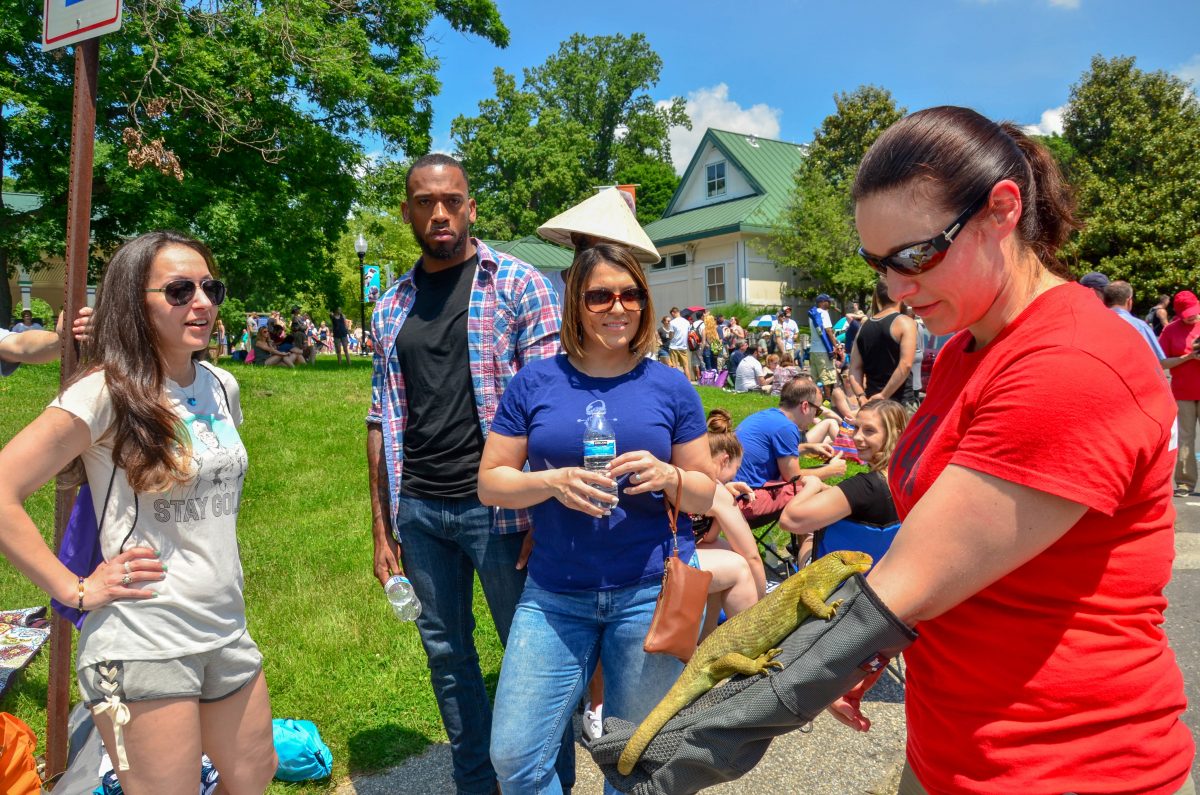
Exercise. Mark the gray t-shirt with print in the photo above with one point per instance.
(193, 526)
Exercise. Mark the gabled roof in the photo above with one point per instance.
(768, 165)
(537, 252)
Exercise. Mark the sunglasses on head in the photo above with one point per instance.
(914, 258)
(182, 291)
(633, 299)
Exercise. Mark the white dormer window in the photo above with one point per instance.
(715, 179)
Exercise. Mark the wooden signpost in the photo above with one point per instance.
(77, 22)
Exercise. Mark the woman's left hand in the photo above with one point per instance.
(646, 473)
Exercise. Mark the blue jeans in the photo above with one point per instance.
(443, 543)
(557, 640)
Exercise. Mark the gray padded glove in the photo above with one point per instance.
(725, 733)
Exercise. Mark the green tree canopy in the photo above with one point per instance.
(236, 122)
(577, 121)
(1134, 157)
(816, 233)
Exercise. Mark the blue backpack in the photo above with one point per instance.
(303, 756)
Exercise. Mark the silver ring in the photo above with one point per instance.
(636, 478)
(126, 580)
(127, 569)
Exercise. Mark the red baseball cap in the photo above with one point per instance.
(1187, 305)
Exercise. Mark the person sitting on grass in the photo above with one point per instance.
(862, 498)
(271, 356)
(750, 376)
(773, 441)
(785, 370)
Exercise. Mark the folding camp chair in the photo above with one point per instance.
(780, 564)
(859, 537)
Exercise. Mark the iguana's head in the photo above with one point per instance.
(856, 562)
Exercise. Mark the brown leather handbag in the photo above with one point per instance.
(675, 628)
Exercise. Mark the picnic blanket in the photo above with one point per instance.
(22, 634)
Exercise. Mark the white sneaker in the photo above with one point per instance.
(593, 723)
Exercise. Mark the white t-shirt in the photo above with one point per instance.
(818, 339)
(679, 332)
(788, 331)
(749, 370)
(7, 368)
(199, 606)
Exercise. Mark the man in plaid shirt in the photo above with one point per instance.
(450, 335)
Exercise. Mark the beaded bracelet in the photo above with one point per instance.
(80, 585)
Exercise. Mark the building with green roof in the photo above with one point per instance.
(713, 234)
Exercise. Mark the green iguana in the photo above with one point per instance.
(745, 644)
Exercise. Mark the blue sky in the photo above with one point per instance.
(773, 67)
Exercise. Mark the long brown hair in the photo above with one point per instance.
(149, 441)
(893, 417)
(646, 339)
(961, 154)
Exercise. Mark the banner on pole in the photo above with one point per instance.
(72, 21)
(371, 288)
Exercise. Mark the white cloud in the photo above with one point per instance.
(1071, 4)
(712, 107)
(1191, 71)
(1052, 122)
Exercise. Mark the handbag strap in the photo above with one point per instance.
(673, 511)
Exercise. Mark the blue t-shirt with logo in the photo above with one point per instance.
(765, 435)
(650, 408)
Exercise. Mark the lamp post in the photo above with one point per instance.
(360, 248)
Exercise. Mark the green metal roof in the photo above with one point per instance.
(21, 202)
(537, 252)
(769, 167)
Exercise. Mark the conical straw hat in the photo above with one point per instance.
(605, 215)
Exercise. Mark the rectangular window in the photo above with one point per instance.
(660, 265)
(714, 283)
(678, 260)
(715, 173)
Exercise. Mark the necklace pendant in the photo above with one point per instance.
(191, 401)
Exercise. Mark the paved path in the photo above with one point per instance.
(831, 759)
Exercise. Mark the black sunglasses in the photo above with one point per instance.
(915, 258)
(182, 291)
(633, 299)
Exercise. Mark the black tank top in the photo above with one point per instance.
(880, 354)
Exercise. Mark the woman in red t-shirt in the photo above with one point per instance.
(1035, 543)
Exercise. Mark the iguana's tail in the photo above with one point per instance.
(679, 696)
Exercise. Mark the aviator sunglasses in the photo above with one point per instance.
(182, 291)
(633, 299)
(914, 258)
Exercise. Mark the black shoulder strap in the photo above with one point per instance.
(224, 391)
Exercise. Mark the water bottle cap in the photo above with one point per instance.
(395, 579)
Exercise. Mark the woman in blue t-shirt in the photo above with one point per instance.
(596, 569)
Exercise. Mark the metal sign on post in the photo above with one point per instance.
(72, 21)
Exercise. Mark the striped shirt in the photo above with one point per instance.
(513, 317)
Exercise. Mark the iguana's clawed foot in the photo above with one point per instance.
(833, 607)
(767, 660)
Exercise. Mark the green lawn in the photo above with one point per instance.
(334, 653)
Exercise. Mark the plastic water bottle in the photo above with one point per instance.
(599, 446)
(404, 600)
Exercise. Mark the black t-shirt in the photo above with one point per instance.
(870, 500)
(443, 440)
(880, 354)
(339, 325)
